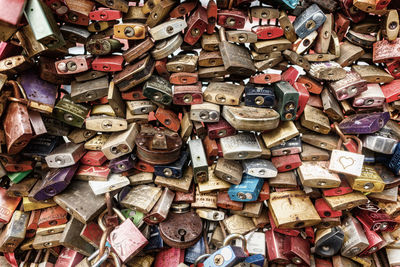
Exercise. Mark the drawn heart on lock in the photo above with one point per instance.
(346, 162)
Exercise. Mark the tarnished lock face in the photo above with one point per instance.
(183, 235)
(158, 146)
(223, 93)
(259, 96)
(158, 90)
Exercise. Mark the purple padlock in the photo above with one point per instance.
(41, 94)
(123, 163)
(55, 181)
(364, 123)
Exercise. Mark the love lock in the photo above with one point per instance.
(183, 234)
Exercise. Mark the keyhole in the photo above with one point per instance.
(182, 233)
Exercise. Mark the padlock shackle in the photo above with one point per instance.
(201, 258)
(348, 140)
(232, 237)
(102, 259)
(222, 35)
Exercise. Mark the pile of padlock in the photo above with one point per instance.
(210, 133)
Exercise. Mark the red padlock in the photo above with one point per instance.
(168, 118)
(375, 241)
(324, 211)
(265, 78)
(231, 19)
(343, 189)
(32, 223)
(393, 67)
(304, 96)
(93, 158)
(169, 257)
(264, 193)
(212, 14)
(182, 78)
(275, 242)
(197, 25)
(134, 94)
(312, 85)
(105, 14)
(351, 11)
(290, 75)
(161, 68)
(225, 202)
(286, 163)
(52, 216)
(211, 149)
(92, 233)
(341, 25)
(188, 94)
(391, 91)
(109, 63)
(220, 129)
(144, 166)
(297, 250)
(183, 9)
(267, 32)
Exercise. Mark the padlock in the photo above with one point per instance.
(134, 74)
(236, 59)
(248, 189)
(104, 14)
(366, 123)
(368, 181)
(331, 106)
(287, 100)
(304, 211)
(179, 185)
(159, 12)
(114, 182)
(372, 73)
(228, 255)
(55, 181)
(223, 93)
(130, 31)
(316, 174)
(14, 232)
(275, 251)
(259, 96)
(73, 65)
(160, 210)
(108, 63)
(158, 90)
(259, 168)
(240, 146)
(328, 241)
(184, 235)
(375, 241)
(97, 142)
(287, 162)
(309, 20)
(65, 155)
(346, 201)
(82, 210)
(142, 198)
(355, 240)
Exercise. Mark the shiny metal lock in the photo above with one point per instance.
(211, 215)
(183, 62)
(315, 120)
(199, 161)
(166, 47)
(346, 201)
(79, 201)
(167, 29)
(331, 106)
(383, 141)
(316, 174)
(247, 190)
(292, 146)
(65, 155)
(205, 112)
(241, 36)
(286, 131)
(223, 93)
(259, 168)
(114, 182)
(355, 240)
(106, 123)
(292, 209)
(240, 146)
(368, 181)
(142, 198)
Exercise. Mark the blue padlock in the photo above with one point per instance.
(256, 259)
(394, 163)
(309, 21)
(192, 253)
(248, 190)
(173, 170)
(228, 255)
(155, 240)
(288, 4)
